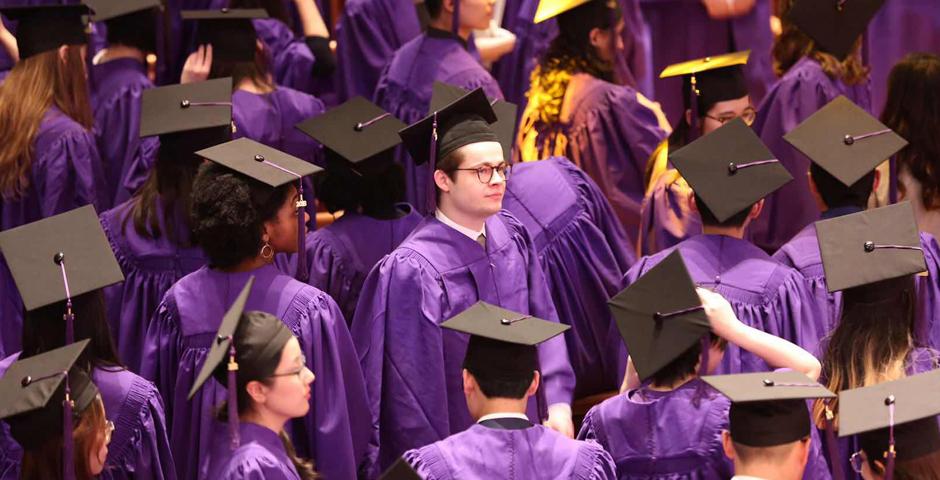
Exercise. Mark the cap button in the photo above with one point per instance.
(889, 400)
(505, 321)
(219, 339)
(732, 168)
(707, 59)
(848, 139)
(259, 158)
(184, 104)
(358, 127)
(224, 9)
(58, 258)
(26, 381)
(869, 246)
(768, 382)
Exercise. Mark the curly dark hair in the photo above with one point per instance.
(912, 109)
(228, 213)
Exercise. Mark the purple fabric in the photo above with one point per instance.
(802, 253)
(919, 20)
(803, 90)
(366, 41)
(610, 135)
(404, 90)
(763, 293)
(291, 58)
(139, 445)
(151, 267)
(534, 452)
(66, 173)
(584, 253)
(261, 455)
(702, 36)
(341, 255)
(412, 366)
(118, 86)
(665, 216)
(335, 432)
(182, 38)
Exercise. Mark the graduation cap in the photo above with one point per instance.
(461, 122)
(47, 27)
(41, 396)
(730, 169)
(358, 132)
(710, 80)
(272, 167)
(870, 246)
(845, 140)
(504, 126)
(768, 408)
(400, 470)
(503, 342)
(896, 420)
(549, 9)
(229, 30)
(833, 24)
(188, 117)
(657, 328)
(108, 9)
(60, 257)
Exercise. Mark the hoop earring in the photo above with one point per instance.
(267, 251)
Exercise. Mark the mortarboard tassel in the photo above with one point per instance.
(693, 107)
(68, 458)
(833, 445)
(301, 205)
(69, 317)
(232, 395)
(890, 454)
(455, 23)
(431, 201)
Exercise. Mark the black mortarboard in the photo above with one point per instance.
(845, 140)
(47, 27)
(188, 117)
(357, 131)
(768, 408)
(870, 246)
(502, 342)
(229, 30)
(904, 409)
(710, 79)
(32, 252)
(108, 9)
(835, 25)
(659, 327)
(504, 126)
(273, 167)
(472, 107)
(730, 169)
(34, 393)
(400, 470)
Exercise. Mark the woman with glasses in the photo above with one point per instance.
(241, 221)
(575, 110)
(721, 96)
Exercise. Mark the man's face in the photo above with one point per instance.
(723, 112)
(469, 191)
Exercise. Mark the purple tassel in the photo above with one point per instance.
(706, 352)
(432, 165)
(455, 23)
(833, 446)
(68, 457)
(69, 317)
(302, 273)
(233, 398)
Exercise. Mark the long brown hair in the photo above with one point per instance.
(45, 462)
(792, 45)
(258, 71)
(35, 84)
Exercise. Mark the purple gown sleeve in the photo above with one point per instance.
(161, 354)
(256, 467)
(473, 78)
(419, 464)
(68, 173)
(291, 58)
(147, 454)
(928, 294)
(330, 273)
(336, 427)
(400, 349)
(127, 157)
(594, 463)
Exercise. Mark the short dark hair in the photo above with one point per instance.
(138, 30)
(684, 365)
(709, 218)
(435, 7)
(371, 192)
(504, 385)
(774, 455)
(835, 194)
(228, 212)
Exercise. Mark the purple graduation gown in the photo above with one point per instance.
(335, 432)
(702, 36)
(535, 452)
(340, 255)
(150, 267)
(674, 435)
(803, 90)
(259, 456)
(117, 88)
(291, 58)
(412, 366)
(405, 86)
(366, 41)
(665, 216)
(763, 293)
(270, 119)
(584, 253)
(610, 135)
(66, 173)
(139, 445)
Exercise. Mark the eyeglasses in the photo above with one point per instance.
(857, 461)
(108, 430)
(485, 172)
(299, 372)
(749, 115)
